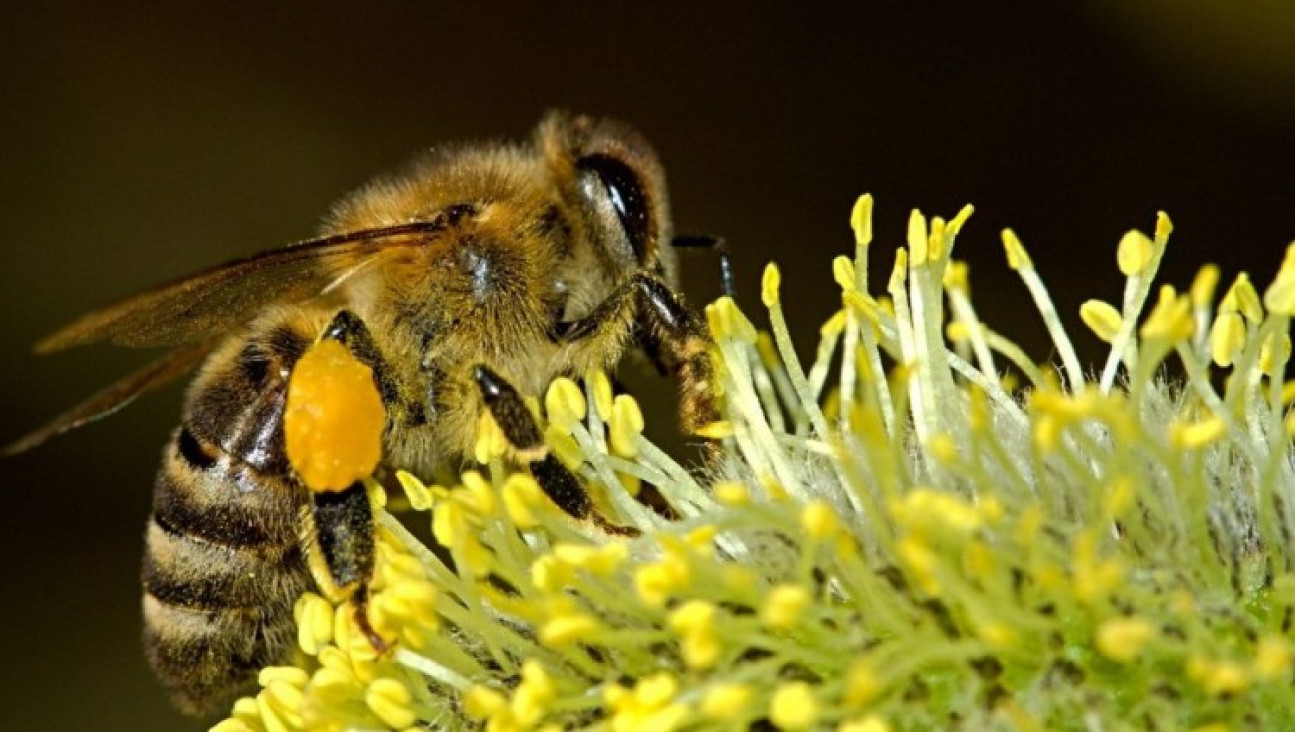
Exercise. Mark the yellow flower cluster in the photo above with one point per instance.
(922, 529)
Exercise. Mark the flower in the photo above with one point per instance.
(924, 528)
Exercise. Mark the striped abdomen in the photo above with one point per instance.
(223, 563)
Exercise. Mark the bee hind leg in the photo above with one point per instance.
(348, 329)
(339, 533)
(338, 525)
(360, 602)
(521, 431)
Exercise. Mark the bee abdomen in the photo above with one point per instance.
(190, 572)
(203, 493)
(221, 570)
(208, 659)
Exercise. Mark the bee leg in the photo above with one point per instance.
(347, 328)
(340, 536)
(651, 347)
(341, 523)
(674, 336)
(715, 244)
(519, 428)
(360, 601)
(684, 346)
(521, 431)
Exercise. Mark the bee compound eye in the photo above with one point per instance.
(625, 194)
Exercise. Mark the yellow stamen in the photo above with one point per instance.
(861, 220)
(843, 273)
(785, 605)
(726, 701)
(1171, 318)
(625, 427)
(1242, 298)
(314, 616)
(769, 285)
(918, 239)
(564, 404)
(1102, 318)
(731, 493)
(1122, 639)
(601, 386)
(1134, 253)
(794, 707)
(567, 629)
(1017, 258)
(1204, 285)
(819, 520)
(1227, 338)
(956, 276)
(1280, 296)
(1273, 659)
(1195, 435)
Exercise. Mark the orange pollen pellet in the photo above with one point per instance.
(334, 418)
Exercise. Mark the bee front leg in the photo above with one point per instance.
(683, 344)
(674, 337)
(519, 428)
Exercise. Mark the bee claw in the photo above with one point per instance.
(361, 604)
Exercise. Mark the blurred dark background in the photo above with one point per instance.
(139, 145)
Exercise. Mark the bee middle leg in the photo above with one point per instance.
(518, 425)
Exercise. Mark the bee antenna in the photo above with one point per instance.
(715, 244)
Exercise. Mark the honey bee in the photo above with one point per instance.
(480, 274)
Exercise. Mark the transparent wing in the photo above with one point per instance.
(212, 302)
(152, 376)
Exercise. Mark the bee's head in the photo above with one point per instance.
(616, 187)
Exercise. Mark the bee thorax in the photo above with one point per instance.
(486, 271)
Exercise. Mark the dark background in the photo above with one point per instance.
(138, 145)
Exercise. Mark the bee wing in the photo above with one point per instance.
(212, 302)
(152, 376)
